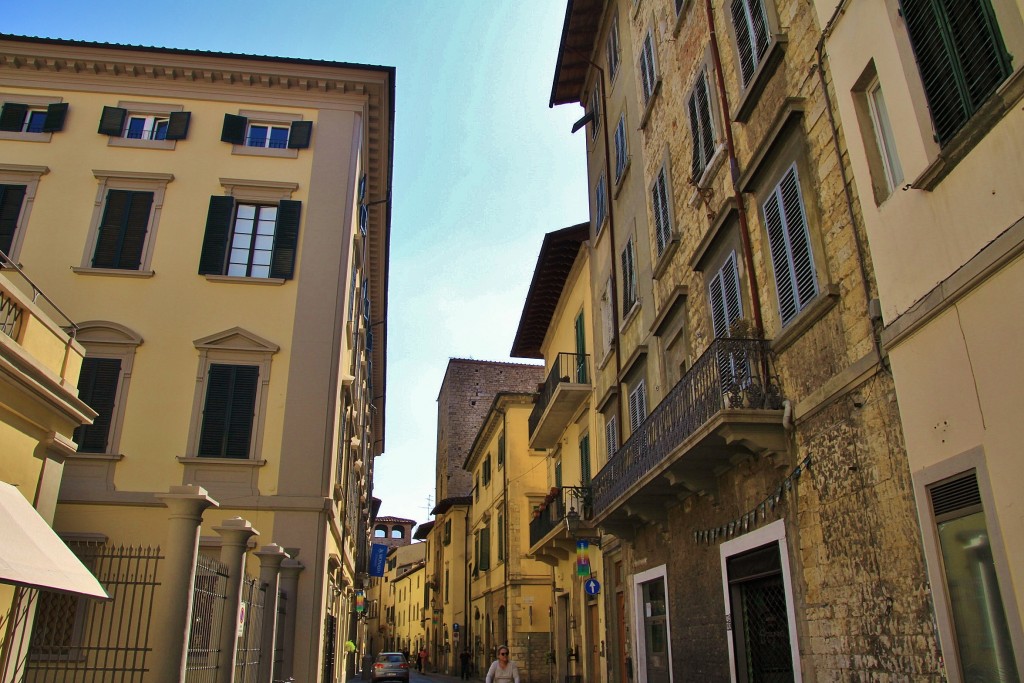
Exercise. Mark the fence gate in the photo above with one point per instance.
(282, 612)
(250, 628)
(209, 599)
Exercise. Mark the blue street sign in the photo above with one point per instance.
(592, 586)
(455, 628)
(378, 556)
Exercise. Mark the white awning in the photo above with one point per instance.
(31, 554)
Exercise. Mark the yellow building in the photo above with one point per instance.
(218, 226)
(450, 548)
(510, 593)
(557, 326)
(398, 602)
(930, 101)
(410, 614)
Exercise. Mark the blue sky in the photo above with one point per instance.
(483, 168)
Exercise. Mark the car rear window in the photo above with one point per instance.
(393, 659)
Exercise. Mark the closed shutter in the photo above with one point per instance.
(215, 239)
(724, 297)
(659, 197)
(228, 411)
(607, 324)
(485, 549)
(647, 75)
(701, 129)
(112, 121)
(286, 239)
(637, 406)
(751, 25)
(628, 278)
(611, 437)
(620, 148)
(796, 282)
(234, 129)
(300, 134)
(55, 115)
(177, 125)
(585, 460)
(11, 197)
(97, 386)
(12, 117)
(122, 230)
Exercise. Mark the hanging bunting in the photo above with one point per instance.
(582, 557)
(360, 602)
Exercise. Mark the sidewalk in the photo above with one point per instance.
(442, 678)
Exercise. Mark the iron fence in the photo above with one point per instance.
(247, 652)
(282, 612)
(10, 316)
(730, 374)
(568, 368)
(553, 512)
(209, 600)
(80, 640)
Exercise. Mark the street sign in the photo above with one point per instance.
(592, 586)
(455, 628)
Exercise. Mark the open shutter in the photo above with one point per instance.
(300, 134)
(55, 115)
(112, 121)
(11, 197)
(177, 125)
(12, 117)
(228, 411)
(234, 129)
(97, 386)
(795, 278)
(215, 240)
(286, 239)
(611, 436)
(585, 461)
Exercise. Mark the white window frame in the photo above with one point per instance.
(785, 241)
(630, 294)
(718, 282)
(611, 436)
(885, 140)
(150, 123)
(151, 112)
(749, 19)
(702, 118)
(34, 103)
(648, 67)
(621, 150)
(661, 203)
(607, 321)
(613, 47)
(640, 642)
(595, 109)
(637, 405)
(766, 535)
(600, 204)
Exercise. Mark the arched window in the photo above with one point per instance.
(380, 531)
(398, 531)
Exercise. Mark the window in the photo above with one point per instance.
(11, 197)
(637, 405)
(600, 204)
(476, 488)
(501, 449)
(621, 150)
(629, 295)
(103, 383)
(662, 211)
(228, 411)
(648, 68)
(397, 531)
(447, 531)
(724, 297)
(501, 537)
(611, 436)
(679, 4)
(960, 55)
(267, 133)
(18, 185)
(595, 110)
(249, 239)
(585, 475)
(487, 470)
(485, 549)
(612, 47)
(124, 222)
(796, 282)
(446, 584)
(97, 386)
(884, 140)
(143, 122)
(607, 323)
(558, 473)
(702, 129)
(753, 37)
(32, 117)
(380, 531)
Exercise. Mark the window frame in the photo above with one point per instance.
(151, 110)
(702, 160)
(271, 119)
(621, 151)
(595, 109)
(29, 177)
(35, 103)
(790, 242)
(613, 48)
(753, 85)
(611, 436)
(110, 340)
(630, 288)
(600, 203)
(637, 404)
(661, 207)
(649, 74)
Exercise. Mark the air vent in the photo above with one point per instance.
(955, 495)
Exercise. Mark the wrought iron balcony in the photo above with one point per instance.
(551, 539)
(565, 389)
(727, 406)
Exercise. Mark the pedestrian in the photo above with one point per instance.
(502, 670)
(421, 660)
(464, 661)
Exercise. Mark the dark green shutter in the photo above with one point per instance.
(177, 125)
(122, 230)
(12, 117)
(55, 114)
(585, 460)
(11, 197)
(97, 386)
(215, 241)
(300, 134)
(286, 239)
(228, 411)
(234, 129)
(112, 121)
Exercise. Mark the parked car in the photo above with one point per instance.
(390, 666)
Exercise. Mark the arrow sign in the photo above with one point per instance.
(592, 586)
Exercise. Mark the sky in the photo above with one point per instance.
(483, 167)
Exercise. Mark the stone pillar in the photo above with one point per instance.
(173, 604)
(271, 557)
(235, 534)
(290, 587)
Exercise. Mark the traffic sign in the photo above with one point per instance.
(592, 586)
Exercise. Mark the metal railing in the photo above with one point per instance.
(730, 374)
(574, 498)
(76, 639)
(10, 316)
(571, 368)
(209, 600)
(247, 653)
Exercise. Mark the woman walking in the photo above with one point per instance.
(502, 670)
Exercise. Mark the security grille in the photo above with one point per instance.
(208, 602)
(767, 657)
(247, 653)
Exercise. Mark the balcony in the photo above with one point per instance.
(564, 391)
(726, 408)
(550, 540)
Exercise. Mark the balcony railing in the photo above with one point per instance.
(733, 374)
(568, 368)
(567, 498)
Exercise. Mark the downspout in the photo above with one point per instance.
(734, 171)
(469, 644)
(504, 533)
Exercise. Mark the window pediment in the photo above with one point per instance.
(105, 332)
(236, 339)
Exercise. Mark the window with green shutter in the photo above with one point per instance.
(121, 237)
(97, 386)
(11, 197)
(228, 411)
(250, 240)
(585, 475)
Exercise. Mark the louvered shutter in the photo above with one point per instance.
(751, 27)
(724, 297)
(228, 411)
(611, 436)
(97, 386)
(215, 239)
(647, 74)
(112, 121)
(177, 125)
(12, 117)
(485, 549)
(637, 406)
(122, 231)
(701, 129)
(11, 197)
(789, 242)
(234, 128)
(300, 134)
(286, 239)
(960, 495)
(628, 278)
(585, 475)
(659, 197)
(55, 115)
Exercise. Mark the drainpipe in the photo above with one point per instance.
(734, 170)
(504, 534)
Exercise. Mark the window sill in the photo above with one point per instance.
(974, 131)
(97, 456)
(681, 18)
(606, 357)
(113, 272)
(235, 279)
(25, 137)
(621, 180)
(237, 462)
(630, 316)
(650, 103)
(661, 265)
(244, 150)
(752, 93)
(804, 320)
(709, 172)
(140, 144)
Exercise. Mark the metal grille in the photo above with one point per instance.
(568, 368)
(956, 495)
(282, 611)
(209, 599)
(13, 655)
(766, 653)
(247, 652)
(83, 640)
(10, 316)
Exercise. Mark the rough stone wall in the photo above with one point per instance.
(466, 393)
(530, 653)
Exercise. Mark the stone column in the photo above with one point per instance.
(271, 557)
(290, 587)
(173, 604)
(235, 534)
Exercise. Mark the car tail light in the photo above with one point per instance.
(378, 665)
(404, 666)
